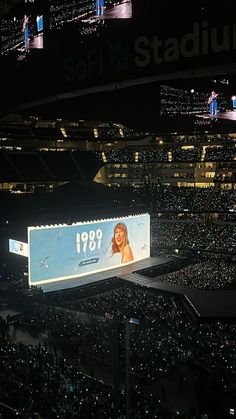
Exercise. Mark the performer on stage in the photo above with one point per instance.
(212, 102)
(99, 7)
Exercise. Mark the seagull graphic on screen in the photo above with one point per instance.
(44, 262)
(60, 235)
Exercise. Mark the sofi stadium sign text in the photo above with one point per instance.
(124, 58)
(202, 40)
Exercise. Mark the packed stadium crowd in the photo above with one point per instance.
(164, 337)
(194, 235)
(220, 153)
(56, 388)
(158, 153)
(171, 198)
(213, 273)
(201, 138)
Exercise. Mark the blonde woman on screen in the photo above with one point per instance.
(120, 243)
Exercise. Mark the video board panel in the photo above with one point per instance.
(71, 251)
(82, 23)
(62, 13)
(191, 96)
(22, 30)
(17, 247)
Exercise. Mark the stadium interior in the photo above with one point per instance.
(155, 338)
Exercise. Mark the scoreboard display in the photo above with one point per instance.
(61, 252)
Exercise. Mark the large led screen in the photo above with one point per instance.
(22, 29)
(21, 34)
(193, 97)
(62, 13)
(72, 251)
(17, 247)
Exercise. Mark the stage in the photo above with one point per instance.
(230, 116)
(100, 276)
(205, 304)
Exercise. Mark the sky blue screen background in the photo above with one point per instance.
(54, 254)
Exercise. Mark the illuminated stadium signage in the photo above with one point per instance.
(60, 252)
(200, 41)
(19, 248)
(146, 54)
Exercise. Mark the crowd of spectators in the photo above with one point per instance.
(212, 273)
(191, 154)
(47, 378)
(194, 235)
(158, 316)
(201, 138)
(228, 177)
(172, 198)
(153, 154)
(220, 153)
(34, 379)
